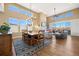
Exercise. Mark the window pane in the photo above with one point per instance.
(22, 22)
(19, 10)
(29, 21)
(14, 28)
(68, 14)
(62, 24)
(25, 22)
(23, 27)
(13, 21)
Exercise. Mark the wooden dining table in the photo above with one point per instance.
(30, 38)
(33, 33)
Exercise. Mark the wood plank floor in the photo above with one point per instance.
(60, 47)
(66, 47)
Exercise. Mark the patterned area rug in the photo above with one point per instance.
(22, 49)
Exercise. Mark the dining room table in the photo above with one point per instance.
(31, 38)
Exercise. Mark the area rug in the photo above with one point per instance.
(22, 49)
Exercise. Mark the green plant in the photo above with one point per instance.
(4, 28)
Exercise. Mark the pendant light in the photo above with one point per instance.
(54, 16)
(54, 13)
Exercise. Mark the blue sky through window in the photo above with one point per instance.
(13, 21)
(22, 22)
(16, 9)
(19, 22)
(68, 14)
(62, 24)
(29, 21)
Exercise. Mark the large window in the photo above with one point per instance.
(13, 21)
(13, 24)
(19, 10)
(19, 25)
(68, 14)
(14, 28)
(62, 24)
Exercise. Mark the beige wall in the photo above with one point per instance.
(3, 17)
(43, 19)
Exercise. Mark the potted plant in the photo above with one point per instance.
(4, 28)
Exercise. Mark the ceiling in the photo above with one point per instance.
(48, 8)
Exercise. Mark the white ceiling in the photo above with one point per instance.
(48, 8)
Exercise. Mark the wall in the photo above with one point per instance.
(75, 28)
(3, 17)
(43, 21)
(1, 7)
(49, 22)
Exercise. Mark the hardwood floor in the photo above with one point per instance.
(60, 47)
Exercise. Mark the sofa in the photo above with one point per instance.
(60, 35)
